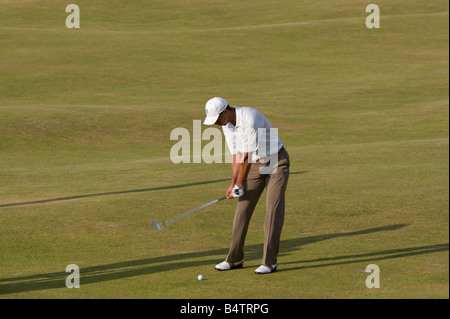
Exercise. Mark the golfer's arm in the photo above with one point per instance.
(242, 168)
(234, 170)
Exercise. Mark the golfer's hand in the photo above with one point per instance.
(236, 191)
(229, 190)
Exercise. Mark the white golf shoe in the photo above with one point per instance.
(265, 269)
(225, 265)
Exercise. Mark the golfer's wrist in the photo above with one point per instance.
(239, 182)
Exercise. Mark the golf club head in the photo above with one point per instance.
(156, 225)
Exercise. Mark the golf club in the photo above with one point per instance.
(160, 226)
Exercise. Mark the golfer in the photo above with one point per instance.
(259, 160)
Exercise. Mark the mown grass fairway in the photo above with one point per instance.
(85, 121)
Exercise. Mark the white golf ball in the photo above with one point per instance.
(200, 277)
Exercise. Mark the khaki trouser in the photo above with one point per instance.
(276, 185)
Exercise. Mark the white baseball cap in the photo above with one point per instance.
(213, 108)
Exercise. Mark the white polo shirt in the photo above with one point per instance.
(252, 134)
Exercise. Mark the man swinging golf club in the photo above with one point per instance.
(259, 160)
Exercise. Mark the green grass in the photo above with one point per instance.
(85, 120)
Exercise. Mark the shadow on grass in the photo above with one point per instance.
(152, 265)
(111, 193)
(43, 201)
(368, 257)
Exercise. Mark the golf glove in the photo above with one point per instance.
(237, 191)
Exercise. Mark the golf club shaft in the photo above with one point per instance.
(187, 213)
